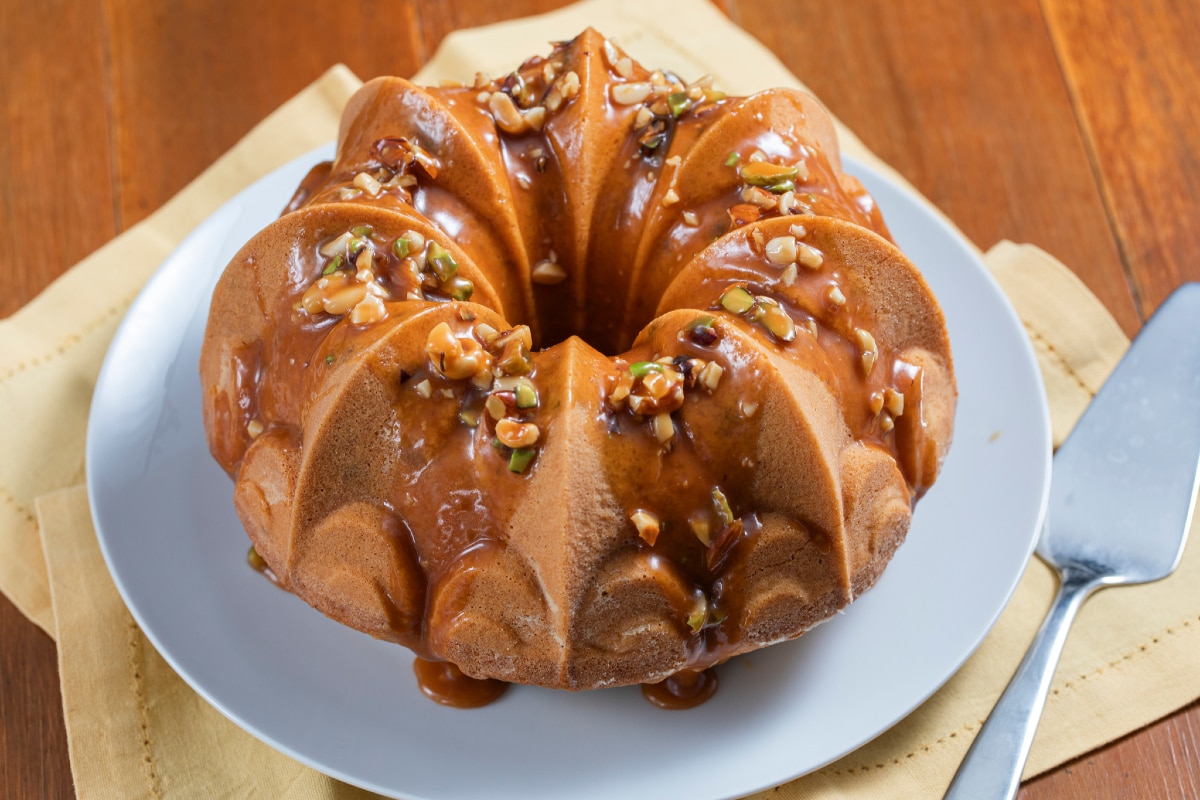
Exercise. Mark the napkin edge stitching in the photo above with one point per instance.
(1058, 358)
(150, 771)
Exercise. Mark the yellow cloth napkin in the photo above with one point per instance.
(136, 730)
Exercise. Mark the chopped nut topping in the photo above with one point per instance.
(870, 352)
(743, 214)
(515, 434)
(336, 247)
(788, 203)
(486, 333)
(495, 407)
(802, 170)
(690, 219)
(514, 346)
(424, 388)
(569, 85)
(836, 297)
(809, 256)
(788, 276)
(701, 527)
(664, 428)
(456, 358)
(624, 67)
(759, 197)
(506, 114)
(548, 273)
(674, 161)
(798, 230)
(894, 402)
(368, 311)
(670, 198)
(255, 428)
(628, 94)
(710, 376)
(643, 118)
(368, 184)
(875, 403)
(748, 408)
(886, 423)
(781, 250)
(647, 525)
(535, 117)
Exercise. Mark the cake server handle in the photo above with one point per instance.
(992, 767)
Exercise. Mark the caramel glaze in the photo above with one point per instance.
(444, 683)
(685, 689)
(441, 488)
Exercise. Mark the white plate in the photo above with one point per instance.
(349, 705)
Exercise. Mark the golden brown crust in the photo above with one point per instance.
(408, 463)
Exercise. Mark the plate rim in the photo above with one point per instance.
(853, 166)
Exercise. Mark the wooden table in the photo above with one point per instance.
(1071, 126)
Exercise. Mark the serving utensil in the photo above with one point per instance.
(1121, 496)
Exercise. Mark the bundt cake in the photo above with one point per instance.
(580, 377)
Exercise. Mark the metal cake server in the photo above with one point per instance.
(1121, 498)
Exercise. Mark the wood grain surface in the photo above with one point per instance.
(1067, 124)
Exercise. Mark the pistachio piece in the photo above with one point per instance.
(721, 506)
(764, 173)
(640, 369)
(441, 262)
(699, 615)
(678, 102)
(732, 159)
(459, 288)
(779, 323)
(333, 266)
(737, 300)
(527, 396)
(520, 459)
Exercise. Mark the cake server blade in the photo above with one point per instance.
(1121, 499)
